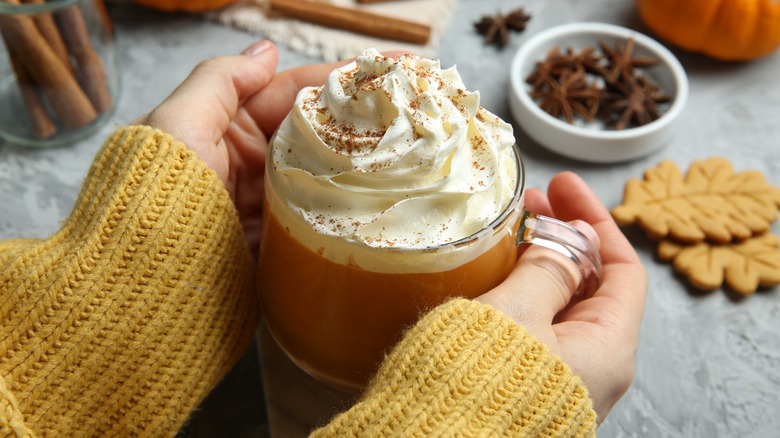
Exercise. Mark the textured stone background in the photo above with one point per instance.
(708, 364)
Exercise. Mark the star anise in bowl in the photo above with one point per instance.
(637, 103)
(609, 75)
(569, 96)
(597, 92)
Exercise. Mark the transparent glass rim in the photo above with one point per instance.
(35, 8)
(493, 225)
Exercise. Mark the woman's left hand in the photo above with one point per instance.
(226, 111)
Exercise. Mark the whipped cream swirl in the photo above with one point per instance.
(394, 152)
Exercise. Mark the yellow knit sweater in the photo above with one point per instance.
(120, 323)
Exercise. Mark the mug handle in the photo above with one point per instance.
(565, 239)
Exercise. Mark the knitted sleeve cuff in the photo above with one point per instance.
(123, 320)
(466, 369)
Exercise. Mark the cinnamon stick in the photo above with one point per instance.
(100, 6)
(48, 28)
(354, 20)
(42, 123)
(61, 89)
(92, 74)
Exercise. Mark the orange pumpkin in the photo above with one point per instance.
(730, 30)
(185, 5)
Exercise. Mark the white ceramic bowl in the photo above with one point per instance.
(592, 141)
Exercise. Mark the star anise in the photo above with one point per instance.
(496, 28)
(608, 83)
(556, 63)
(590, 60)
(637, 104)
(621, 62)
(568, 96)
(550, 69)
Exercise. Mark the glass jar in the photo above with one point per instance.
(58, 74)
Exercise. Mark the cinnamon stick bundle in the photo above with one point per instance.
(55, 60)
(354, 20)
(61, 89)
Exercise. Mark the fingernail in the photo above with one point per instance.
(257, 48)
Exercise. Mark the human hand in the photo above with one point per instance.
(596, 336)
(226, 111)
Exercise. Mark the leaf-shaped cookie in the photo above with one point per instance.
(744, 266)
(710, 202)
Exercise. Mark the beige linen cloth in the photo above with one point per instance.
(335, 44)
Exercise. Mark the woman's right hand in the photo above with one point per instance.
(596, 336)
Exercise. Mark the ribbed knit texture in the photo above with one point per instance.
(120, 323)
(467, 370)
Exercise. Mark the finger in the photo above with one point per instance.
(546, 279)
(572, 199)
(271, 105)
(213, 92)
(200, 110)
(624, 282)
(542, 283)
(536, 201)
(589, 232)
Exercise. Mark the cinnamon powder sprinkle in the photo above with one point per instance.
(348, 140)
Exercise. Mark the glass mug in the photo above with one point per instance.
(336, 321)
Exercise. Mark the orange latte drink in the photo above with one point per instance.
(388, 190)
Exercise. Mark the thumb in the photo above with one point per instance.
(542, 284)
(211, 95)
(200, 110)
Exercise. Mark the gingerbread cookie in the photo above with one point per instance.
(710, 202)
(711, 223)
(743, 266)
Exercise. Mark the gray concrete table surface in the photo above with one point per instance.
(708, 365)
